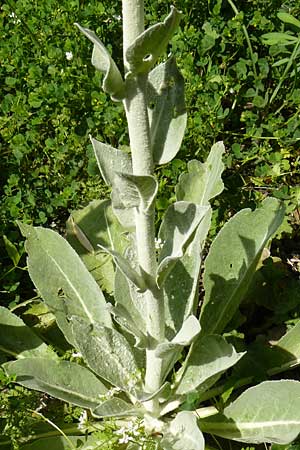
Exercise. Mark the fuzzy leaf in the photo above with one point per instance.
(170, 351)
(62, 279)
(107, 353)
(232, 261)
(181, 286)
(97, 223)
(116, 407)
(179, 223)
(209, 357)
(137, 191)
(167, 112)
(65, 380)
(112, 162)
(130, 273)
(130, 306)
(183, 433)
(148, 47)
(268, 412)
(113, 83)
(203, 181)
(18, 340)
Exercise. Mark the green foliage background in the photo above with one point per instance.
(49, 106)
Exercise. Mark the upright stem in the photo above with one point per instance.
(142, 164)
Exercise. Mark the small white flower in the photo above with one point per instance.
(83, 421)
(117, 17)
(76, 355)
(14, 17)
(158, 243)
(69, 56)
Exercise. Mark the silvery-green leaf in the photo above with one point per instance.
(203, 180)
(170, 351)
(183, 433)
(112, 162)
(130, 302)
(208, 358)
(116, 407)
(268, 412)
(125, 320)
(232, 261)
(107, 353)
(166, 109)
(179, 223)
(18, 340)
(130, 273)
(136, 191)
(65, 380)
(113, 83)
(96, 224)
(64, 282)
(148, 46)
(181, 286)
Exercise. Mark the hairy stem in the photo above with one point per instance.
(142, 163)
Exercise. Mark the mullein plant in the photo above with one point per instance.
(128, 300)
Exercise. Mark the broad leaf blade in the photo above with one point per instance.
(179, 223)
(183, 433)
(113, 83)
(18, 340)
(268, 412)
(62, 279)
(203, 181)
(208, 358)
(112, 162)
(232, 261)
(167, 112)
(288, 18)
(116, 407)
(108, 354)
(137, 191)
(181, 286)
(65, 380)
(100, 226)
(278, 39)
(147, 48)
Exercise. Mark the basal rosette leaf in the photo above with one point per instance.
(167, 111)
(148, 47)
(266, 413)
(203, 181)
(65, 380)
(113, 83)
(232, 261)
(18, 340)
(183, 433)
(64, 282)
